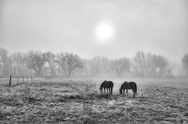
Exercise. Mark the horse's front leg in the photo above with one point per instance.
(107, 90)
(123, 91)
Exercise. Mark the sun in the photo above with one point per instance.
(104, 31)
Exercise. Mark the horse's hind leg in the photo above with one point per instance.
(133, 94)
(110, 91)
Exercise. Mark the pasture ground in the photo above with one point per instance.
(77, 101)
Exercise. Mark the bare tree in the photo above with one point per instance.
(95, 66)
(138, 63)
(149, 69)
(160, 65)
(105, 66)
(7, 67)
(19, 67)
(150, 65)
(121, 65)
(49, 57)
(35, 61)
(4, 61)
(15, 57)
(185, 64)
(85, 69)
(3, 54)
(68, 62)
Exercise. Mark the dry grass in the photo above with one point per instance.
(80, 102)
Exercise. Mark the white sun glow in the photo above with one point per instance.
(104, 32)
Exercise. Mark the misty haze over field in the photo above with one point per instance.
(89, 28)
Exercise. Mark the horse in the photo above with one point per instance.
(128, 85)
(106, 85)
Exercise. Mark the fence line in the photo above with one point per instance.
(19, 79)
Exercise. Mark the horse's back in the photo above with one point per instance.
(132, 83)
(110, 83)
(126, 85)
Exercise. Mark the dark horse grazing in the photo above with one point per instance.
(128, 85)
(106, 85)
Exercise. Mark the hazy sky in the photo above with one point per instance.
(156, 26)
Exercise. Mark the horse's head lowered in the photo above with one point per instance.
(102, 85)
(120, 91)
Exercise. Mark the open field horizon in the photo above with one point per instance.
(175, 82)
(78, 101)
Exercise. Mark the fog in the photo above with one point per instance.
(156, 26)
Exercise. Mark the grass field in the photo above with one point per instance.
(70, 101)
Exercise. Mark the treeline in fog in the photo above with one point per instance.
(67, 64)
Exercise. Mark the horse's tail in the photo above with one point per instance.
(135, 88)
(112, 88)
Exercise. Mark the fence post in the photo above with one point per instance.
(10, 80)
(31, 78)
(23, 79)
(17, 80)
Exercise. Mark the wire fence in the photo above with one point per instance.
(12, 81)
